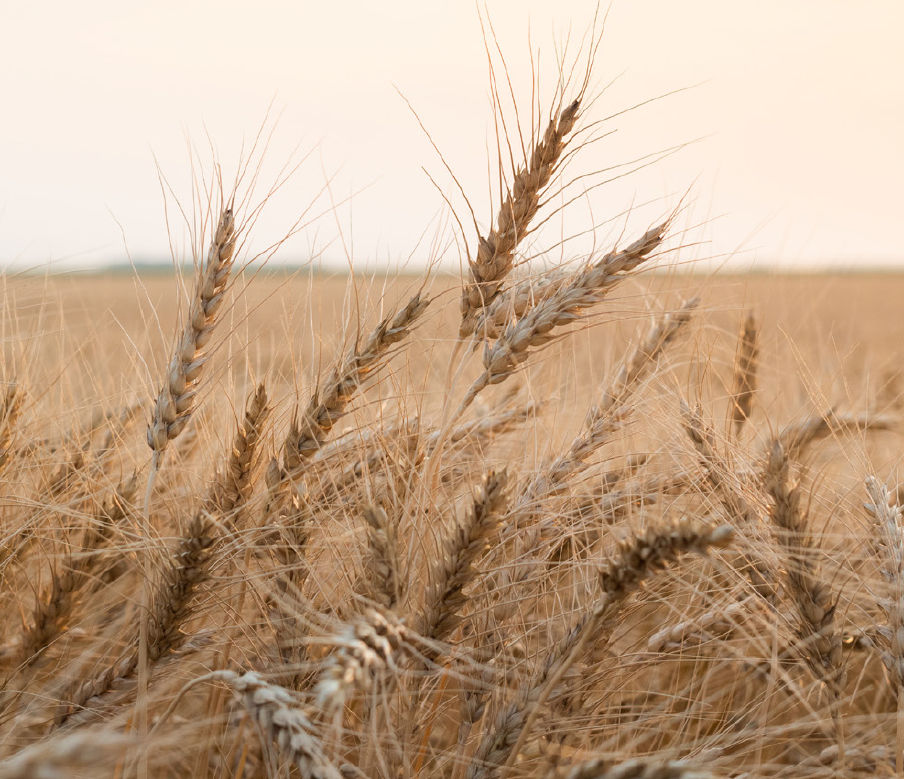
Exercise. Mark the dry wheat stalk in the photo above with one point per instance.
(585, 288)
(640, 768)
(175, 403)
(744, 385)
(636, 559)
(496, 251)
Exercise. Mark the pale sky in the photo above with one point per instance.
(799, 104)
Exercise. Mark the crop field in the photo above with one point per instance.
(598, 519)
(598, 567)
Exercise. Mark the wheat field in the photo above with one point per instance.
(605, 519)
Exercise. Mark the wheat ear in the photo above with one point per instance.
(890, 524)
(381, 581)
(9, 415)
(496, 251)
(366, 648)
(645, 768)
(176, 401)
(54, 606)
(584, 289)
(454, 569)
(171, 601)
(813, 598)
(636, 560)
(281, 720)
(190, 566)
(744, 385)
(605, 417)
(308, 433)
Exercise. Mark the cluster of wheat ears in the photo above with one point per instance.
(393, 600)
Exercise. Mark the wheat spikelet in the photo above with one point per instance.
(381, 580)
(496, 251)
(175, 403)
(744, 385)
(366, 648)
(515, 302)
(717, 622)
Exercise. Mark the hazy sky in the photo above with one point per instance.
(799, 104)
